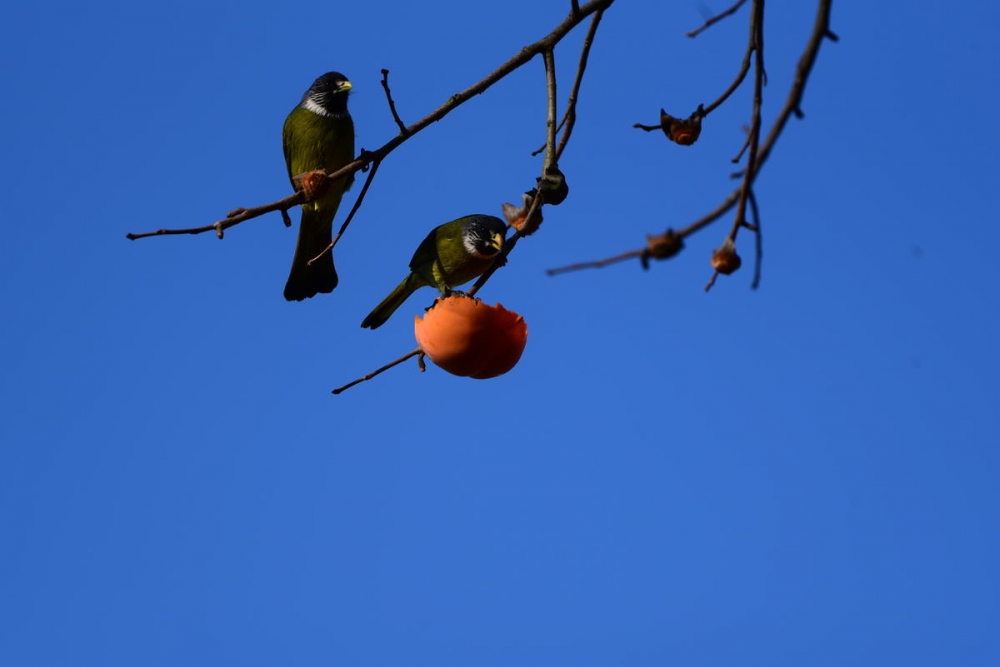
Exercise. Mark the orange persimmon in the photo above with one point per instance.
(467, 337)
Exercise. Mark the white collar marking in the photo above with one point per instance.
(311, 105)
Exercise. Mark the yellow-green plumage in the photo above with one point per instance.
(318, 134)
(452, 254)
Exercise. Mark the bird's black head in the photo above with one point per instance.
(483, 235)
(328, 95)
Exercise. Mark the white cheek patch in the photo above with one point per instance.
(315, 108)
(470, 245)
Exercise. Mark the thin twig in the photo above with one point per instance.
(597, 263)
(382, 370)
(235, 217)
(715, 19)
(757, 38)
(647, 128)
(569, 117)
(744, 68)
(354, 209)
(739, 156)
(759, 241)
(392, 104)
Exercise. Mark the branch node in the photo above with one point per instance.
(662, 246)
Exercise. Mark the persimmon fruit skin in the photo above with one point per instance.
(469, 338)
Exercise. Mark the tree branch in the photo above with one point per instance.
(523, 56)
(365, 378)
(547, 48)
(392, 103)
(234, 217)
(354, 209)
(821, 31)
(715, 19)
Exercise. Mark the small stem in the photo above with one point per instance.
(392, 104)
(715, 19)
(354, 209)
(759, 244)
(381, 370)
(597, 263)
(241, 215)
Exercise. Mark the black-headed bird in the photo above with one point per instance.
(318, 134)
(452, 254)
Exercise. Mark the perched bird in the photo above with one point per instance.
(318, 134)
(452, 254)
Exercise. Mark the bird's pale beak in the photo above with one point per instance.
(346, 86)
(497, 241)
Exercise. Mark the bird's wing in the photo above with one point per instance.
(425, 257)
(286, 143)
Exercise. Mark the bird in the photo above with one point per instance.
(318, 134)
(452, 254)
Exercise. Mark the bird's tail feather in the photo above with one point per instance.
(305, 280)
(389, 304)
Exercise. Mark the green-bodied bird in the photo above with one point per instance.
(452, 254)
(318, 134)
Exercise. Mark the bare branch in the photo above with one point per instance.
(744, 69)
(234, 217)
(757, 39)
(381, 370)
(523, 56)
(821, 31)
(392, 104)
(354, 209)
(569, 117)
(715, 19)
(759, 245)
(597, 263)
(549, 58)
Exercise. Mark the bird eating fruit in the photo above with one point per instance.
(452, 254)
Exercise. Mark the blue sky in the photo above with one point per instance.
(801, 475)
